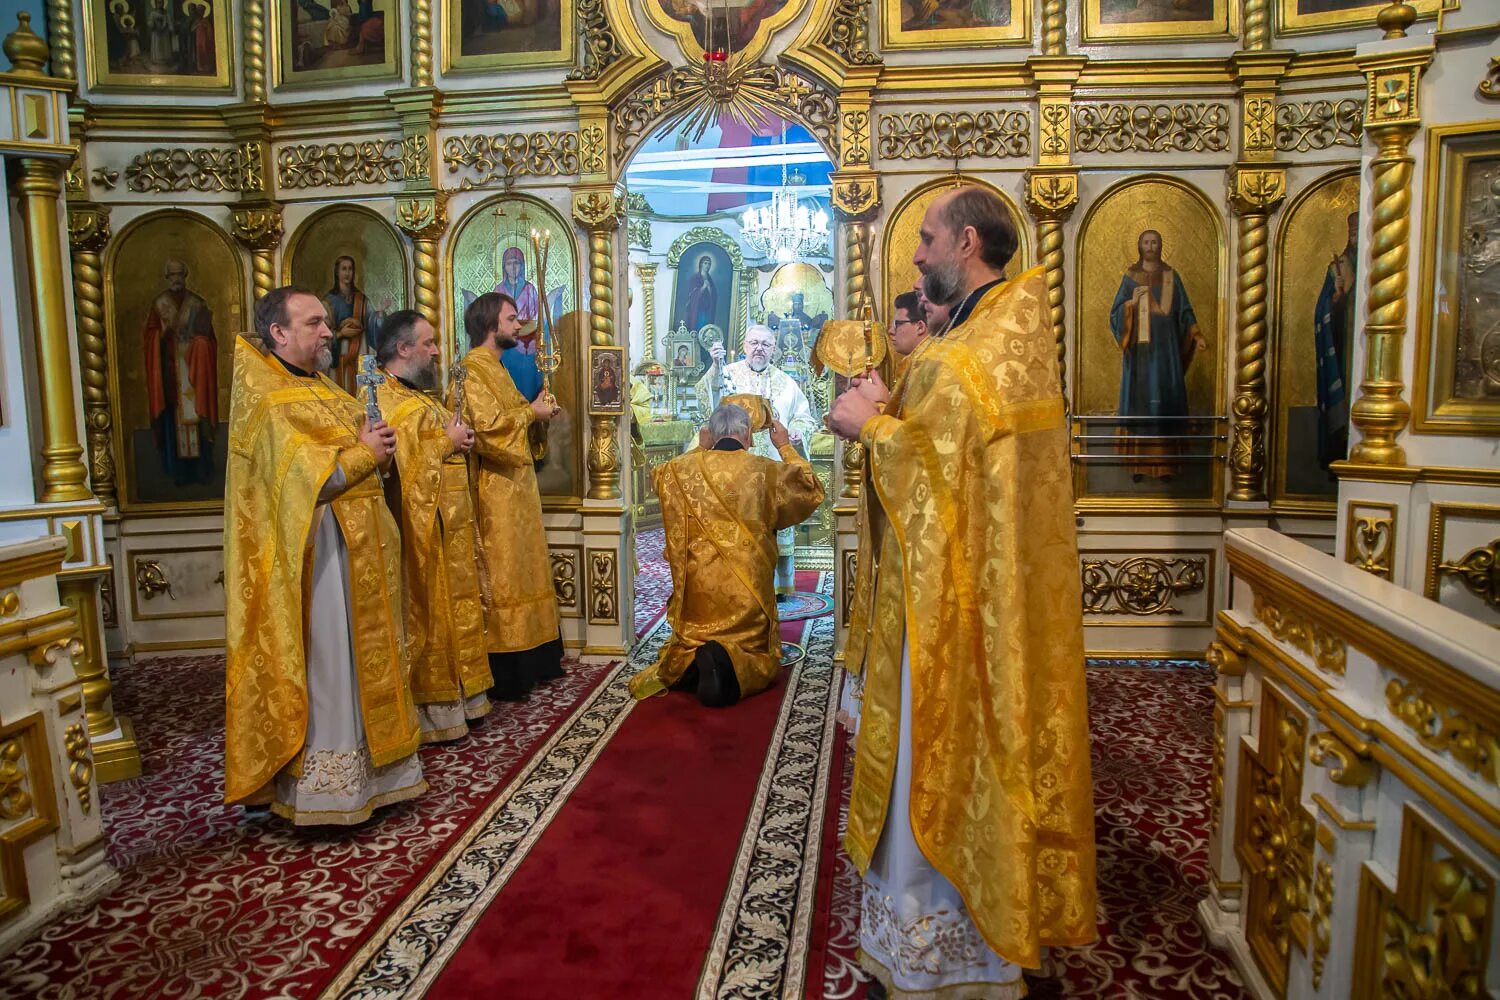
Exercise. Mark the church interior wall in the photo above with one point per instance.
(17, 443)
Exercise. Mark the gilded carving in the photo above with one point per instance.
(80, 762)
(855, 140)
(207, 169)
(856, 198)
(638, 234)
(1151, 128)
(1476, 570)
(1372, 543)
(416, 154)
(1327, 650)
(849, 31)
(603, 588)
(105, 178)
(1345, 766)
(258, 228)
(1253, 193)
(88, 234)
(422, 216)
(601, 47)
(341, 164)
(565, 576)
(1440, 950)
(646, 271)
(151, 579)
(1443, 728)
(1259, 124)
(1322, 912)
(15, 797)
(502, 158)
(593, 149)
(1310, 125)
(1050, 197)
(851, 569)
(107, 607)
(1216, 785)
(60, 39)
(598, 210)
(953, 135)
(1490, 85)
(1057, 128)
(1140, 585)
(1225, 661)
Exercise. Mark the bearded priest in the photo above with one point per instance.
(721, 507)
(450, 670)
(971, 812)
(757, 376)
(320, 722)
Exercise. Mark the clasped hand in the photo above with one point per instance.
(380, 437)
(461, 435)
(864, 400)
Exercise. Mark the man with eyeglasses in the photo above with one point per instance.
(908, 324)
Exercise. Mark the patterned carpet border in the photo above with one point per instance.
(760, 942)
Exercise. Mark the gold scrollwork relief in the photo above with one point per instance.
(1322, 913)
(80, 762)
(917, 135)
(1371, 544)
(848, 34)
(105, 178)
(151, 579)
(1327, 650)
(15, 797)
(107, 607)
(592, 151)
(565, 576)
(1225, 661)
(1310, 125)
(1490, 85)
(1345, 766)
(10, 603)
(601, 47)
(1141, 585)
(1443, 728)
(1476, 570)
(341, 164)
(855, 138)
(1151, 128)
(604, 602)
(851, 569)
(233, 168)
(492, 159)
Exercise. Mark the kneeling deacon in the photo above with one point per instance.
(450, 670)
(721, 508)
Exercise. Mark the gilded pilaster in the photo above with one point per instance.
(88, 234)
(39, 186)
(424, 217)
(421, 43)
(117, 757)
(1392, 117)
(1255, 193)
(599, 211)
(258, 228)
(255, 51)
(647, 273)
(1050, 197)
(60, 39)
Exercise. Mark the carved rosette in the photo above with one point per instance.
(258, 228)
(1051, 197)
(424, 218)
(600, 212)
(1254, 193)
(1392, 117)
(88, 234)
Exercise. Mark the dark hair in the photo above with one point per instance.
(483, 315)
(399, 328)
(911, 304)
(333, 289)
(270, 310)
(983, 209)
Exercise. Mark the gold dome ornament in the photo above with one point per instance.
(26, 50)
(1395, 19)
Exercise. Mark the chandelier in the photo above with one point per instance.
(789, 228)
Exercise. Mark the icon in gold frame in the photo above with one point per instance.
(133, 45)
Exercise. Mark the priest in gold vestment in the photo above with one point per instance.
(522, 620)
(450, 670)
(320, 721)
(971, 812)
(721, 508)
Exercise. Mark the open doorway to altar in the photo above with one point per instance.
(728, 231)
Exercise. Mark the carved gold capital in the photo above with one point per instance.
(856, 195)
(1346, 766)
(257, 227)
(423, 216)
(1255, 190)
(599, 210)
(1051, 195)
(88, 227)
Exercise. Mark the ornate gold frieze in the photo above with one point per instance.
(1186, 127)
(1322, 913)
(1443, 728)
(88, 234)
(1258, 126)
(1275, 842)
(1476, 570)
(1327, 650)
(601, 47)
(854, 140)
(565, 576)
(214, 168)
(1345, 765)
(1254, 192)
(1057, 129)
(105, 178)
(604, 600)
(685, 94)
(1140, 585)
(593, 149)
(1371, 541)
(918, 135)
(492, 159)
(1309, 125)
(340, 164)
(80, 762)
(848, 34)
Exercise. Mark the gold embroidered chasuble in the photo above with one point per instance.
(721, 511)
(439, 554)
(522, 613)
(287, 435)
(968, 554)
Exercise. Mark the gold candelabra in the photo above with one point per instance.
(548, 358)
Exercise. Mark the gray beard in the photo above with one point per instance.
(323, 361)
(943, 283)
(763, 366)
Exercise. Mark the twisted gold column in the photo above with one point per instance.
(856, 296)
(1055, 27)
(424, 218)
(255, 51)
(1051, 196)
(258, 228)
(60, 39)
(647, 274)
(599, 211)
(1257, 25)
(425, 254)
(40, 189)
(1380, 413)
(88, 233)
(1247, 460)
(601, 288)
(421, 43)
